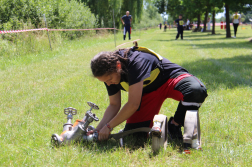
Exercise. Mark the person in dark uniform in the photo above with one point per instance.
(149, 79)
(126, 20)
(160, 26)
(179, 23)
(165, 26)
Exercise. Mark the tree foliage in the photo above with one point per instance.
(235, 5)
(196, 8)
(150, 16)
(69, 13)
(59, 14)
(103, 10)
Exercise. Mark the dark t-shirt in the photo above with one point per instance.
(179, 22)
(145, 67)
(126, 19)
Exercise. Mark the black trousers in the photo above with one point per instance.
(194, 93)
(180, 31)
(235, 28)
(126, 29)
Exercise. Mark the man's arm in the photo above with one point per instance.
(130, 20)
(112, 109)
(122, 21)
(134, 100)
(175, 24)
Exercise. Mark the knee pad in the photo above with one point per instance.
(191, 136)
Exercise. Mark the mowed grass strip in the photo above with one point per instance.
(35, 90)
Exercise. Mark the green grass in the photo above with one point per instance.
(35, 88)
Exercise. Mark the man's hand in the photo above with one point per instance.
(122, 21)
(104, 133)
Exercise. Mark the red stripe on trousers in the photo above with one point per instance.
(152, 102)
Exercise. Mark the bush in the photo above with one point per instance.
(59, 14)
(148, 21)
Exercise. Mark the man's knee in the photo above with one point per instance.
(197, 93)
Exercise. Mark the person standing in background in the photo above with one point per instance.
(188, 24)
(160, 26)
(165, 26)
(126, 20)
(236, 21)
(179, 23)
(208, 23)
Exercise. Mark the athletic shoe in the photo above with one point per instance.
(187, 146)
(174, 131)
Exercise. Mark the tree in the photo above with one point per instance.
(228, 33)
(195, 8)
(60, 14)
(161, 5)
(216, 6)
(235, 5)
(150, 16)
(176, 7)
(206, 16)
(103, 10)
(135, 7)
(248, 15)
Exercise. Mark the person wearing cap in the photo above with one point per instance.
(126, 20)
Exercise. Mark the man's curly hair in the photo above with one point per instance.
(104, 63)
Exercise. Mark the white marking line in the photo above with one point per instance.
(127, 42)
(227, 68)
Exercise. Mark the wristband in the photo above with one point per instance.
(109, 127)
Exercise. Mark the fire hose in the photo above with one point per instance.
(78, 131)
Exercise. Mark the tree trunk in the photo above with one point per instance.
(228, 33)
(205, 21)
(198, 24)
(213, 21)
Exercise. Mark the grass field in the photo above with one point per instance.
(35, 89)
